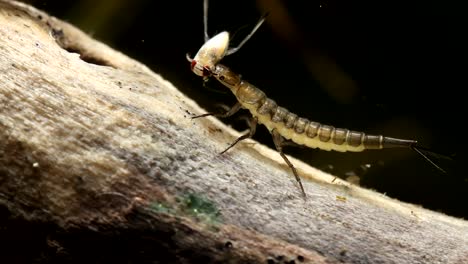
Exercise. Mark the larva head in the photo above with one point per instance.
(210, 54)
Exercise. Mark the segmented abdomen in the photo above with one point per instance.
(300, 130)
(313, 134)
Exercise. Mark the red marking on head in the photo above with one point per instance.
(192, 64)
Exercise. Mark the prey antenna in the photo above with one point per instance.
(259, 23)
(205, 19)
(420, 150)
(235, 49)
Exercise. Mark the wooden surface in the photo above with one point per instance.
(101, 153)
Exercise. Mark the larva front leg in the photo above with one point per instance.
(228, 113)
(253, 128)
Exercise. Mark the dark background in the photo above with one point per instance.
(394, 68)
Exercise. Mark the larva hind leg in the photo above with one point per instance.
(279, 141)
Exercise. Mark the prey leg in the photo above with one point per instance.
(253, 127)
(228, 113)
(278, 140)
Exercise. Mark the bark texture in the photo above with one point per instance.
(99, 157)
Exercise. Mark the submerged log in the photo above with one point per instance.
(100, 161)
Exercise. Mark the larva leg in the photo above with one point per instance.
(228, 113)
(253, 127)
(278, 140)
